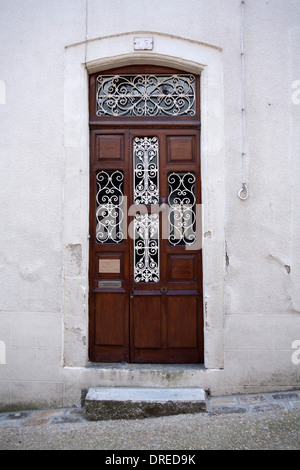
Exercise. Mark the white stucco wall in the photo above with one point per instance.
(251, 256)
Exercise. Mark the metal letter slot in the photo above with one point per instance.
(110, 284)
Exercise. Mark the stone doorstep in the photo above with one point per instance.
(106, 403)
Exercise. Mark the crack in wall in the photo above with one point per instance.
(282, 263)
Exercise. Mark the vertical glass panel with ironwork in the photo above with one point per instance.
(145, 164)
(110, 210)
(146, 248)
(182, 208)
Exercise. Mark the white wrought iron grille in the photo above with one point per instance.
(146, 248)
(182, 205)
(145, 163)
(146, 95)
(110, 211)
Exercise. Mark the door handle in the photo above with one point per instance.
(164, 290)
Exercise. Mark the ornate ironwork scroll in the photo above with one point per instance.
(182, 205)
(110, 211)
(145, 162)
(146, 248)
(146, 95)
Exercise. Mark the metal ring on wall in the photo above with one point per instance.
(243, 190)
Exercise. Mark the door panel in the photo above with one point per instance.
(181, 149)
(167, 268)
(109, 247)
(182, 321)
(109, 147)
(182, 268)
(109, 319)
(146, 321)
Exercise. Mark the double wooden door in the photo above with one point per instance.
(145, 261)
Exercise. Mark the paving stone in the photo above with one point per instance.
(19, 415)
(228, 409)
(223, 401)
(66, 419)
(295, 404)
(75, 411)
(47, 413)
(286, 396)
(267, 407)
(252, 399)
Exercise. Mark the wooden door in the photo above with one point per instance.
(145, 275)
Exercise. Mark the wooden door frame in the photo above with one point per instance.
(137, 126)
(82, 59)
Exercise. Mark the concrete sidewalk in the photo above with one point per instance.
(261, 421)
